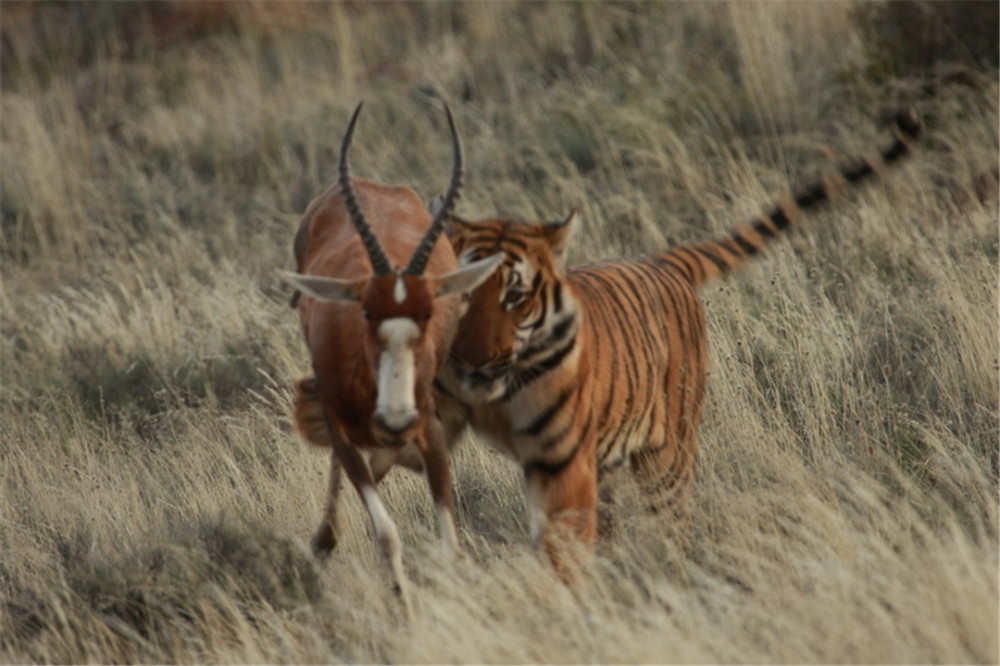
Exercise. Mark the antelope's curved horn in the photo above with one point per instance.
(380, 263)
(418, 262)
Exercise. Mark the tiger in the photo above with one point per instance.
(574, 371)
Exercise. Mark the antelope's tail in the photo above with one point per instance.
(309, 417)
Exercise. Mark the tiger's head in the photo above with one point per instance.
(523, 319)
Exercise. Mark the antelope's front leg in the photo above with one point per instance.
(386, 534)
(435, 453)
(454, 415)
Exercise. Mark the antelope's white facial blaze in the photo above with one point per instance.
(396, 408)
(399, 291)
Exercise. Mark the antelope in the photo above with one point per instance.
(378, 317)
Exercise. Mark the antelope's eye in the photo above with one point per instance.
(368, 315)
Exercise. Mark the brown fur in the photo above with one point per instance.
(309, 415)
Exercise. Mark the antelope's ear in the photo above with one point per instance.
(559, 234)
(324, 288)
(469, 277)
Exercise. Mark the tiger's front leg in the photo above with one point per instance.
(562, 500)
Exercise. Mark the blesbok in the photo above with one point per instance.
(380, 303)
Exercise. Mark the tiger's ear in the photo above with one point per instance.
(560, 233)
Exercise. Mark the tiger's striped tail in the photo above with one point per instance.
(703, 261)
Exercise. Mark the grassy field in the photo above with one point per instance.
(155, 502)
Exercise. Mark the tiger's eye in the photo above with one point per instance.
(512, 298)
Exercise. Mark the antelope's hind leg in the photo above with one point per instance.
(310, 419)
(325, 538)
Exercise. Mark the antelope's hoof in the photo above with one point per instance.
(323, 542)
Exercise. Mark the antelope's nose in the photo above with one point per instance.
(395, 422)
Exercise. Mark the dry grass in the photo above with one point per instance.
(154, 501)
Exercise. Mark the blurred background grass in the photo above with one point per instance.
(154, 160)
